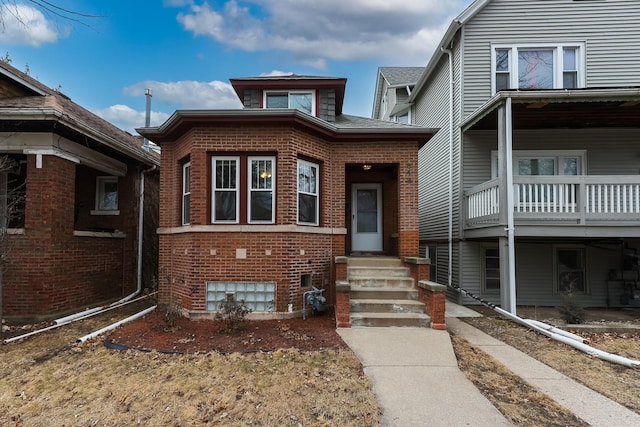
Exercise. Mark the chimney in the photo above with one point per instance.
(147, 118)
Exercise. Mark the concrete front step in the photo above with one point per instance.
(390, 319)
(379, 282)
(386, 306)
(383, 293)
(378, 261)
(378, 271)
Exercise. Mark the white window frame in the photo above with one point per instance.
(558, 66)
(558, 155)
(251, 190)
(483, 267)
(236, 189)
(100, 209)
(288, 93)
(316, 194)
(186, 192)
(404, 113)
(585, 268)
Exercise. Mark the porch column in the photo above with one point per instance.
(505, 178)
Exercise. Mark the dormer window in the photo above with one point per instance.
(296, 100)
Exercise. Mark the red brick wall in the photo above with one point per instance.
(188, 259)
(51, 271)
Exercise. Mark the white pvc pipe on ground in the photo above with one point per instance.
(555, 330)
(115, 325)
(592, 351)
(74, 316)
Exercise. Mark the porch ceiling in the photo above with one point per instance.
(574, 115)
(562, 109)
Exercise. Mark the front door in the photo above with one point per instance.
(366, 226)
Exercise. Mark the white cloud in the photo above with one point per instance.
(128, 119)
(314, 32)
(274, 73)
(188, 94)
(26, 26)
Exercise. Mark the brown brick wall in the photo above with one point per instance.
(51, 271)
(186, 260)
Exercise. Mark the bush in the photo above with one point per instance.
(570, 311)
(232, 313)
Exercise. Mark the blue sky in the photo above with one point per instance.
(187, 50)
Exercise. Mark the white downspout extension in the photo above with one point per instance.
(450, 268)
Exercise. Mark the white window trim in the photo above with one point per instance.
(213, 189)
(289, 92)
(316, 194)
(557, 154)
(407, 112)
(184, 193)
(558, 67)
(587, 287)
(100, 181)
(250, 159)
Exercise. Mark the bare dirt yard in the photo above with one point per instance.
(281, 372)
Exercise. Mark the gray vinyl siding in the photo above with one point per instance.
(535, 285)
(609, 30)
(432, 110)
(607, 150)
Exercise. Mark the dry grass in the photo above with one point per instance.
(614, 381)
(520, 403)
(46, 381)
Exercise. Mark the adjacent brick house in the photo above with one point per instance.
(73, 241)
(261, 201)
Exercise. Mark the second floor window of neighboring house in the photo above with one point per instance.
(296, 100)
(557, 66)
(402, 118)
(106, 195)
(231, 188)
(186, 193)
(308, 192)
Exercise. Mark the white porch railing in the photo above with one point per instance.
(583, 198)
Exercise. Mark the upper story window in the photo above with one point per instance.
(545, 66)
(296, 100)
(106, 196)
(231, 189)
(402, 118)
(308, 192)
(186, 193)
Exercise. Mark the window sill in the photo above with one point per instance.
(15, 231)
(114, 212)
(227, 228)
(103, 234)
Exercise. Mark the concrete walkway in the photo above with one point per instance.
(583, 402)
(416, 378)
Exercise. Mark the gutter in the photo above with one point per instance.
(450, 267)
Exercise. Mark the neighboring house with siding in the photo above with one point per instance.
(260, 201)
(532, 185)
(393, 87)
(73, 241)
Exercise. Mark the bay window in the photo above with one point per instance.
(243, 189)
(544, 66)
(308, 191)
(226, 180)
(186, 193)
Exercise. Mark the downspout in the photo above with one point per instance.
(450, 268)
(140, 234)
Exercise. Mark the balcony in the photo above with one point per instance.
(586, 200)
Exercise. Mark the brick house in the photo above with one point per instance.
(262, 201)
(73, 241)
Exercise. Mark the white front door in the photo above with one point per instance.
(366, 226)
